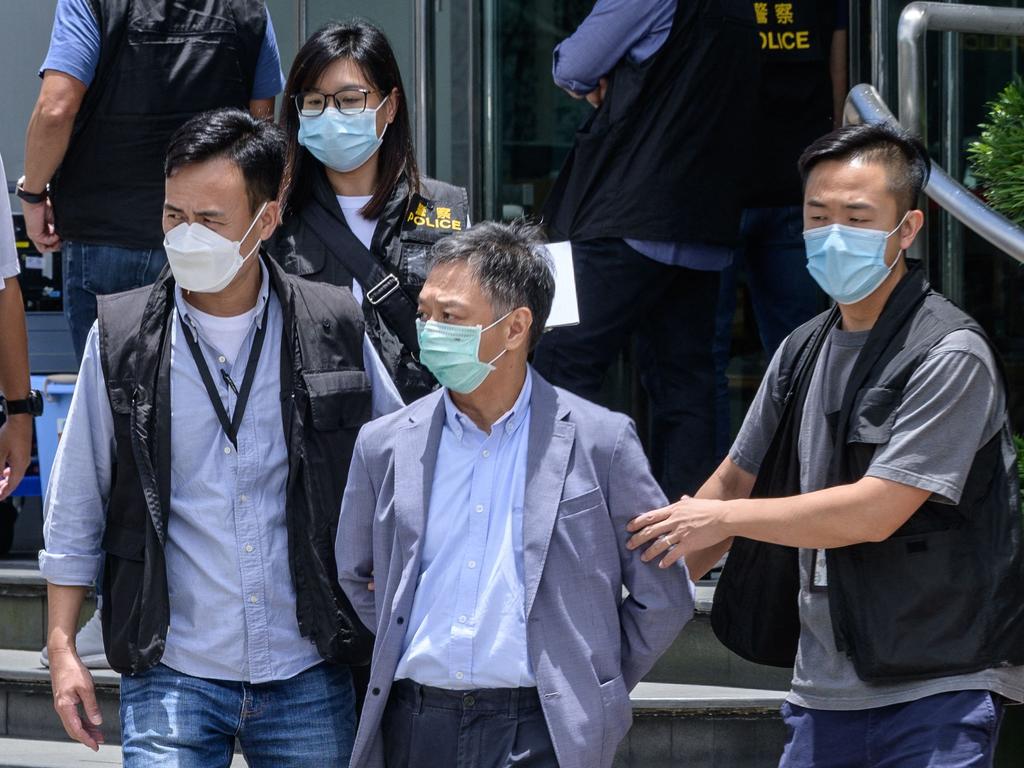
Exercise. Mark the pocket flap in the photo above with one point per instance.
(124, 542)
(338, 399)
(874, 411)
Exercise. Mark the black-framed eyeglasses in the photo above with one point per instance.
(348, 101)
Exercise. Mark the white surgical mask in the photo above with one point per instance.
(203, 261)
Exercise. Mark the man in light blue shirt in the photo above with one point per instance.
(490, 518)
(213, 416)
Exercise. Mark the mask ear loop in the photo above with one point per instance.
(258, 241)
(491, 326)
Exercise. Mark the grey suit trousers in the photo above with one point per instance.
(426, 727)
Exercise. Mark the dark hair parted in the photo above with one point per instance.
(367, 47)
(901, 153)
(255, 146)
(511, 263)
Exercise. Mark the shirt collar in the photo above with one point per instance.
(512, 420)
(184, 308)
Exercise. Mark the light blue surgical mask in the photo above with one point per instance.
(339, 141)
(452, 353)
(848, 262)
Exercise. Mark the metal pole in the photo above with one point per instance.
(300, 23)
(421, 35)
(879, 41)
(952, 256)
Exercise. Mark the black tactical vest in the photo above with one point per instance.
(659, 159)
(325, 399)
(160, 64)
(944, 595)
(407, 229)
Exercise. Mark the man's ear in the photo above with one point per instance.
(268, 220)
(519, 328)
(910, 228)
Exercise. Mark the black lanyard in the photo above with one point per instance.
(231, 426)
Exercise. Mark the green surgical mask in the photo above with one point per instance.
(452, 353)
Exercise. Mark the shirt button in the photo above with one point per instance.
(253, 599)
(486, 453)
(243, 498)
(479, 507)
(459, 675)
(462, 619)
(471, 563)
(222, 359)
(248, 547)
(227, 449)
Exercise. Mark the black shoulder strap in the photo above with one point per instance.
(381, 287)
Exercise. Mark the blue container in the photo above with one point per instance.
(57, 391)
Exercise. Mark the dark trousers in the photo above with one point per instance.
(948, 730)
(671, 312)
(426, 727)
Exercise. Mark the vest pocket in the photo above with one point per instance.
(123, 579)
(338, 399)
(873, 414)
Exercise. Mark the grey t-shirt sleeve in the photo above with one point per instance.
(952, 405)
(751, 444)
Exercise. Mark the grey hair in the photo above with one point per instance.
(511, 264)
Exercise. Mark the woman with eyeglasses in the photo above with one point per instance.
(357, 212)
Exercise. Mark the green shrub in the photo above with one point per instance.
(997, 159)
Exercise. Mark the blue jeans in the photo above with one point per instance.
(773, 260)
(96, 270)
(670, 311)
(948, 730)
(179, 721)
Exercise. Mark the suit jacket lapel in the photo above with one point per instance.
(416, 448)
(547, 460)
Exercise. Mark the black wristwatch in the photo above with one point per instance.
(32, 405)
(33, 198)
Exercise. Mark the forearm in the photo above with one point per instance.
(14, 375)
(49, 133)
(726, 483)
(65, 606)
(868, 510)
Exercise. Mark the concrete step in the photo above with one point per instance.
(27, 753)
(23, 606)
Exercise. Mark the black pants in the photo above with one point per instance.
(428, 727)
(671, 313)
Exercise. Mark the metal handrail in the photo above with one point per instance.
(920, 17)
(864, 105)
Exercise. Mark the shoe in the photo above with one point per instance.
(89, 642)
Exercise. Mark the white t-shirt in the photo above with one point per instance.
(362, 228)
(8, 250)
(225, 334)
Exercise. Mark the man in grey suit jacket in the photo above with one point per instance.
(483, 539)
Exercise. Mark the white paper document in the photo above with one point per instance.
(564, 309)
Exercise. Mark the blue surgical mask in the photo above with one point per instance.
(848, 262)
(452, 353)
(339, 141)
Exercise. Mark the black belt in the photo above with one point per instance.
(510, 700)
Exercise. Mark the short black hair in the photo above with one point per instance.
(256, 146)
(511, 263)
(904, 156)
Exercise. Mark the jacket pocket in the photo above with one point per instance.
(338, 399)
(577, 505)
(618, 716)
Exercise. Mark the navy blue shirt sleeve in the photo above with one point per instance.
(74, 41)
(269, 79)
(614, 29)
(842, 14)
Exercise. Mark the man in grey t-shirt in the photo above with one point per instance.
(860, 186)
